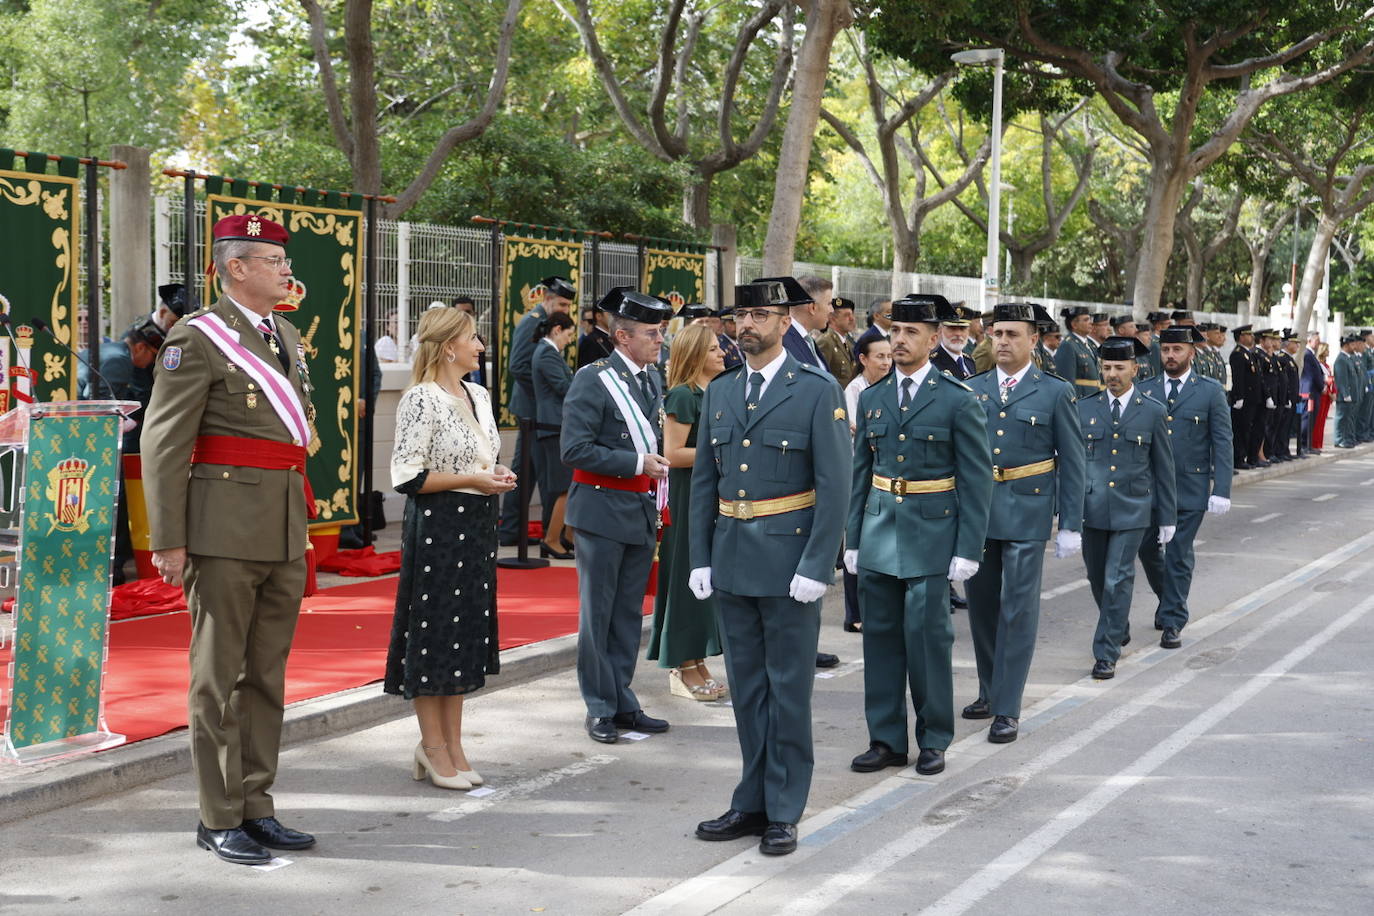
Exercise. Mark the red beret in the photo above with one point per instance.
(249, 227)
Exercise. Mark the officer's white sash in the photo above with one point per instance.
(642, 434)
(274, 385)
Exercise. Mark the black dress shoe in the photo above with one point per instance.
(978, 709)
(1158, 624)
(640, 721)
(877, 757)
(855, 627)
(1104, 670)
(732, 825)
(955, 600)
(1003, 730)
(930, 761)
(271, 833)
(548, 552)
(779, 839)
(1126, 640)
(232, 845)
(602, 728)
(826, 660)
(1169, 638)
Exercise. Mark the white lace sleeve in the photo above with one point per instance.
(415, 424)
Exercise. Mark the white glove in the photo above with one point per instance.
(961, 569)
(1218, 505)
(1067, 543)
(1166, 534)
(1239, 404)
(1269, 402)
(1348, 399)
(699, 581)
(805, 590)
(851, 562)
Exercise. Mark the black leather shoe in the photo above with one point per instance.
(930, 761)
(547, 553)
(978, 709)
(271, 833)
(640, 721)
(1126, 640)
(855, 627)
(877, 757)
(826, 660)
(602, 728)
(1104, 670)
(1169, 638)
(732, 825)
(232, 845)
(779, 839)
(956, 600)
(1003, 730)
(1158, 624)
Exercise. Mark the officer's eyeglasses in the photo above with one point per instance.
(757, 316)
(276, 263)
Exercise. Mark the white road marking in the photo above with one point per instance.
(1323, 498)
(1262, 519)
(1063, 589)
(1018, 857)
(522, 789)
(739, 875)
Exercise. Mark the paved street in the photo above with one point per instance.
(1232, 775)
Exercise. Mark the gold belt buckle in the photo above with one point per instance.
(898, 486)
(996, 473)
(744, 510)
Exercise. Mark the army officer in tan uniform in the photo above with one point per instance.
(224, 461)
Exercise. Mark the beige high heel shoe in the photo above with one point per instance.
(422, 768)
(680, 688)
(712, 684)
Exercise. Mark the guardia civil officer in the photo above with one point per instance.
(1364, 346)
(770, 488)
(1349, 393)
(1037, 471)
(918, 514)
(1247, 399)
(1199, 425)
(1076, 360)
(1130, 488)
(224, 450)
(611, 440)
(559, 295)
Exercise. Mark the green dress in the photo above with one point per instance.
(684, 626)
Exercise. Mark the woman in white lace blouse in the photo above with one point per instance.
(444, 639)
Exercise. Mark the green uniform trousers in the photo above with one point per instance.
(770, 658)
(1003, 616)
(1110, 560)
(611, 580)
(243, 617)
(908, 641)
(1169, 569)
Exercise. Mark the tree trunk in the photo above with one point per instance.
(1167, 183)
(1259, 259)
(824, 20)
(696, 201)
(1022, 260)
(1314, 271)
(906, 253)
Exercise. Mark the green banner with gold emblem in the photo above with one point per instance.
(70, 483)
(326, 307)
(39, 251)
(527, 262)
(677, 276)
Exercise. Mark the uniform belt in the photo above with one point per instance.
(1025, 470)
(1089, 383)
(247, 452)
(745, 509)
(636, 484)
(899, 487)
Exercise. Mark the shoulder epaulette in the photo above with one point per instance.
(807, 367)
(949, 377)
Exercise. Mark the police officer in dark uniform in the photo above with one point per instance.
(1246, 398)
(1271, 382)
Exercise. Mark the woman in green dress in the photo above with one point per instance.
(684, 632)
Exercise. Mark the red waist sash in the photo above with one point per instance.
(636, 484)
(246, 452)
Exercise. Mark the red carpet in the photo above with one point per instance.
(340, 643)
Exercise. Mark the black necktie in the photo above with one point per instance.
(646, 390)
(1173, 390)
(906, 392)
(755, 389)
(1116, 411)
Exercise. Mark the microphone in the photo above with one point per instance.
(42, 325)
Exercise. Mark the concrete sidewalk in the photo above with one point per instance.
(26, 791)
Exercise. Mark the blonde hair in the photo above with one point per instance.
(691, 346)
(437, 328)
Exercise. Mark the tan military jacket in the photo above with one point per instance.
(838, 353)
(216, 510)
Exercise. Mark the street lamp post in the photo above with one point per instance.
(988, 294)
